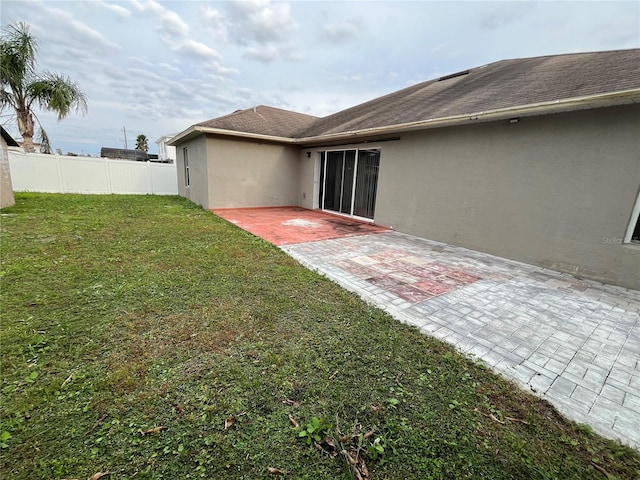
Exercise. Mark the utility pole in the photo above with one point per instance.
(125, 138)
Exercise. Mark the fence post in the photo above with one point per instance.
(60, 174)
(150, 177)
(107, 170)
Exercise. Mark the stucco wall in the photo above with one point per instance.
(251, 174)
(6, 187)
(198, 190)
(308, 178)
(555, 191)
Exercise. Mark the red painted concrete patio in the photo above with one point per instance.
(289, 225)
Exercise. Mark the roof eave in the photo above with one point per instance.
(196, 130)
(571, 104)
(183, 136)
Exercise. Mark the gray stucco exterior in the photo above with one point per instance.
(231, 173)
(555, 191)
(552, 190)
(198, 189)
(251, 174)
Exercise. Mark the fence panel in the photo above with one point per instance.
(36, 172)
(83, 175)
(125, 178)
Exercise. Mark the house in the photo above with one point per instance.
(124, 154)
(166, 152)
(534, 159)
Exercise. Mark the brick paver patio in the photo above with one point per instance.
(573, 342)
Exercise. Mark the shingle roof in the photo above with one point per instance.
(499, 85)
(503, 84)
(263, 120)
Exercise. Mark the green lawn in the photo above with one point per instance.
(145, 337)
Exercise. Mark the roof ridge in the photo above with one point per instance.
(253, 109)
(566, 54)
(284, 110)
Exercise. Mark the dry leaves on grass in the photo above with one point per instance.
(496, 419)
(152, 431)
(99, 475)
(357, 465)
(229, 422)
(293, 421)
(351, 452)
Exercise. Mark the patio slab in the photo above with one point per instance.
(288, 225)
(573, 342)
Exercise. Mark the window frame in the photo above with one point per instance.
(187, 170)
(633, 223)
(322, 170)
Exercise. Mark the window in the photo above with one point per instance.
(185, 154)
(633, 230)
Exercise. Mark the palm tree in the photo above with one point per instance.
(23, 88)
(142, 143)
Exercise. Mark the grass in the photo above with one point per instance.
(147, 338)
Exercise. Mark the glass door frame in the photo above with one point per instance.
(323, 176)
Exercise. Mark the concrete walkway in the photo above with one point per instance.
(574, 342)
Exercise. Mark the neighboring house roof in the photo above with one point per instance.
(165, 138)
(8, 138)
(124, 154)
(503, 89)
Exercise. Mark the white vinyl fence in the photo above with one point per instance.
(35, 172)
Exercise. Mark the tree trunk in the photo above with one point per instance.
(25, 125)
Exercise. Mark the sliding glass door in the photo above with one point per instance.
(349, 181)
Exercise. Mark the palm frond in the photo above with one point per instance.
(45, 143)
(18, 49)
(57, 93)
(6, 100)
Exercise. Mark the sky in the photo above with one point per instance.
(155, 68)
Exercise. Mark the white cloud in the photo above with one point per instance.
(168, 67)
(196, 49)
(170, 22)
(261, 21)
(262, 27)
(347, 30)
(73, 32)
(117, 9)
(263, 53)
(216, 21)
(226, 71)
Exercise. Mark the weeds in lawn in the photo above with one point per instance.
(314, 431)
(145, 338)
